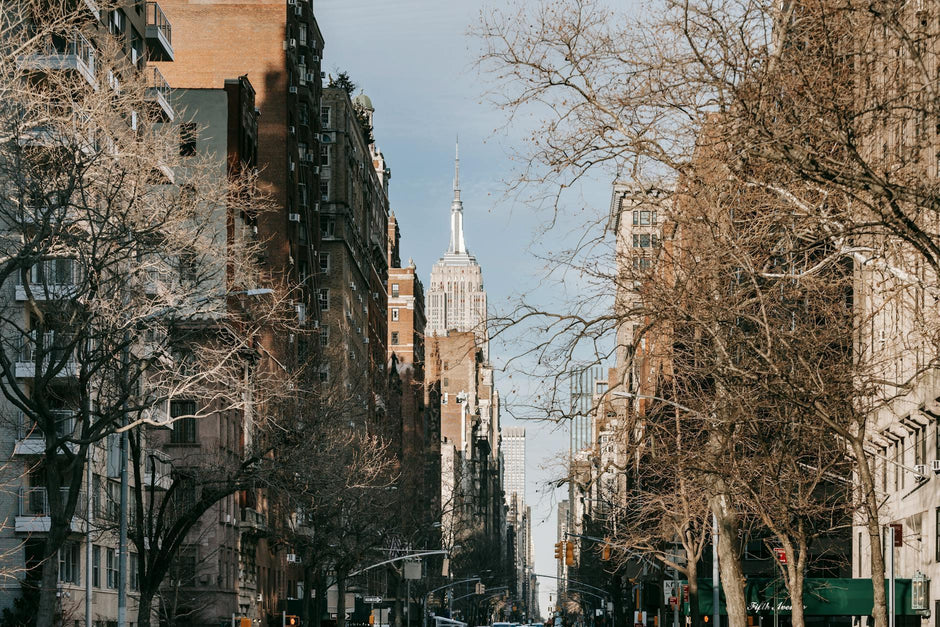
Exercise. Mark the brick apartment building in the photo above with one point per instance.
(277, 46)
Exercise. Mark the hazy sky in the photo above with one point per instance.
(415, 61)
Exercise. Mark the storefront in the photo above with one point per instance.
(826, 602)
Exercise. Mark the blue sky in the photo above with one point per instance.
(416, 62)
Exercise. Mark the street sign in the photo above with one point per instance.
(673, 602)
(371, 599)
(413, 570)
(781, 555)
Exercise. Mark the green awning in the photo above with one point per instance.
(821, 597)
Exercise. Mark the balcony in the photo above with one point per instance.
(252, 520)
(30, 439)
(28, 352)
(93, 7)
(157, 471)
(158, 93)
(32, 514)
(159, 34)
(52, 279)
(71, 53)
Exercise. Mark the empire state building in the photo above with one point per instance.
(456, 300)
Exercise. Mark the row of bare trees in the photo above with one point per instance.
(787, 149)
(134, 304)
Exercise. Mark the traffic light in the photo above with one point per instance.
(291, 621)
(559, 549)
(569, 553)
(605, 553)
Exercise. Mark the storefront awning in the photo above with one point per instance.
(821, 597)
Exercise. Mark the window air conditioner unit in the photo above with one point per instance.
(316, 59)
(291, 3)
(311, 77)
(316, 169)
(293, 558)
(292, 129)
(260, 598)
(322, 75)
(292, 43)
(316, 206)
(352, 286)
(921, 469)
(365, 340)
(292, 89)
(935, 465)
(298, 10)
(293, 217)
(308, 157)
(291, 166)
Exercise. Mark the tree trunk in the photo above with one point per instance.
(879, 611)
(49, 580)
(340, 599)
(729, 561)
(692, 574)
(145, 607)
(306, 609)
(795, 567)
(320, 603)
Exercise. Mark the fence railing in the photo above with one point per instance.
(65, 425)
(35, 502)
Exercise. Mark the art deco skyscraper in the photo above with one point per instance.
(456, 300)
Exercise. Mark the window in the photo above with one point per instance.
(395, 290)
(303, 114)
(184, 429)
(636, 218)
(324, 263)
(937, 534)
(324, 373)
(133, 570)
(113, 461)
(324, 335)
(324, 190)
(395, 314)
(302, 195)
(69, 563)
(302, 35)
(327, 227)
(324, 156)
(96, 566)
(644, 218)
(394, 338)
(117, 25)
(324, 299)
(859, 554)
(111, 568)
(188, 138)
(325, 117)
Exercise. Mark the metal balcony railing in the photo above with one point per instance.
(26, 429)
(35, 502)
(52, 350)
(72, 51)
(159, 33)
(158, 89)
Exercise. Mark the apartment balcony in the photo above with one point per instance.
(92, 6)
(252, 520)
(30, 439)
(32, 514)
(70, 53)
(157, 471)
(159, 34)
(28, 350)
(52, 279)
(158, 93)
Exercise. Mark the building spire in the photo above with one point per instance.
(457, 244)
(457, 171)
